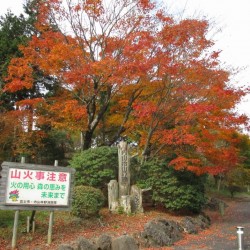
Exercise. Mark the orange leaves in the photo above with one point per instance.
(68, 114)
(200, 108)
(122, 68)
(144, 111)
(19, 75)
(32, 103)
(182, 163)
(186, 34)
(16, 85)
(29, 143)
(177, 136)
(164, 18)
(93, 7)
(52, 52)
(146, 4)
(215, 170)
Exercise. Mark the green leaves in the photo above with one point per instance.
(87, 201)
(176, 190)
(95, 167)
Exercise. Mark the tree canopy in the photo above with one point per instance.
(128, 69)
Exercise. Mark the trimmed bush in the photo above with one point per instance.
(96, 166)
(87, 201)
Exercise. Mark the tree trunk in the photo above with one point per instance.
(87, 140)
(32, 218)
(219, 182)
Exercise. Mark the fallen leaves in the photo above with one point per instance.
(67, 229)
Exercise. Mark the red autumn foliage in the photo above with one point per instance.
(137, 72)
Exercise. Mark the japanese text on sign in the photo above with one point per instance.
(37, 187)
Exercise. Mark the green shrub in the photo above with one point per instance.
(96, 166)
(176, 190)
(236, 179)
(87, 201)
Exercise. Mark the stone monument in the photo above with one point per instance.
(120, 194)
(124, 171)
(113, 197)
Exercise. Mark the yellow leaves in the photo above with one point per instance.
(114, 119)
(117, 111)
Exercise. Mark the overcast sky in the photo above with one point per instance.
(232, 16)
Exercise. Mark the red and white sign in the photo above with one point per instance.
(37, 187)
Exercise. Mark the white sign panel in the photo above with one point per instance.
(37, 187)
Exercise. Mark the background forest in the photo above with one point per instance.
(76, 77)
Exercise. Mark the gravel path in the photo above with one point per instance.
(222, 233)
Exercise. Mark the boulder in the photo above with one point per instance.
(124, 242)
(203, 221)
(192, 225)
(104, 242)
(65, 247)
(161, 232)
(189, 226)
(84, 244)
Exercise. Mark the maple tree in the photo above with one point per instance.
(126, 68)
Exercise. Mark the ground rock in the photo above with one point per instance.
(161, 232)
(203, 221)
(104, 242)
(65, 247)
(84, 244)
(124, 242)
(189, 226)
(192, 225)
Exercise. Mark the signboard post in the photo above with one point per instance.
(15, 226)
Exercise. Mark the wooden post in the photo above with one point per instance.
(15, 227)
(28, 224)
(51, 217)
(14, 237)
(221, 208)
(23, 160)
(56, 163)
(33, 226)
